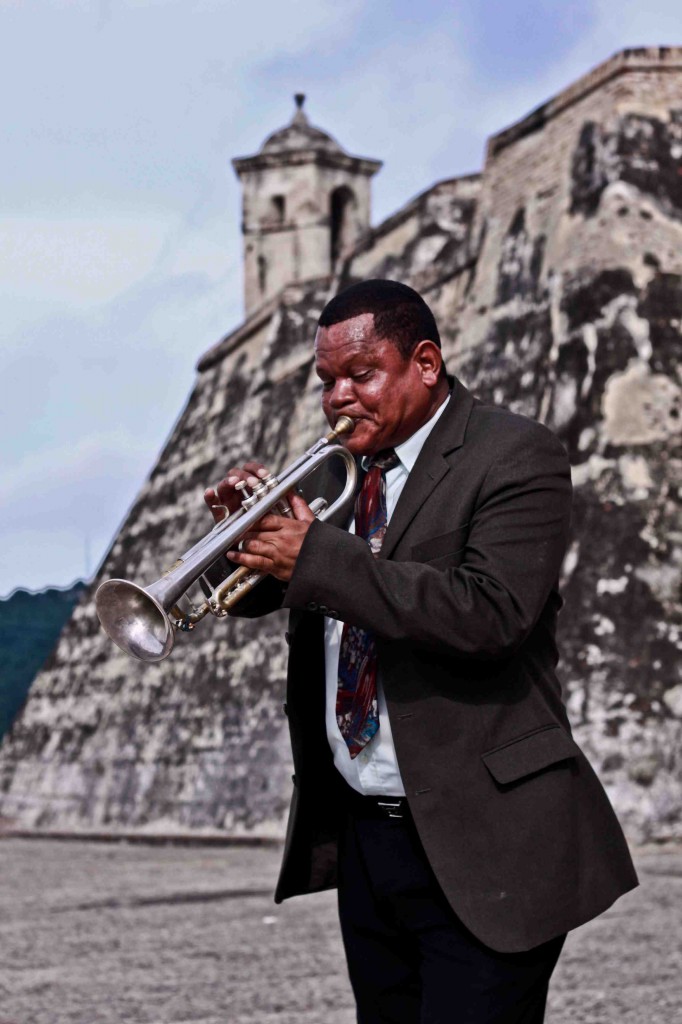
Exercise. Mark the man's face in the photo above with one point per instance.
(369, 380)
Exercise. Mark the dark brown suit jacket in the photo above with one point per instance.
(464, 603)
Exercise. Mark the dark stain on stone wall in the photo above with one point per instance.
(638, 663)
(584, 302)
(520, 263)
(642, 151)
(514, 358)
(661, 306)
(589, 170)
(585, 294)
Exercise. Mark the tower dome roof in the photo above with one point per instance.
(300, 134)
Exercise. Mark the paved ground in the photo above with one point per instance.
(101, 933)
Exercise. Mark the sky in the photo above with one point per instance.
(120, 247)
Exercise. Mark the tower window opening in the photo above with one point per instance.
(278, 209)
(341, 203)
(262, 273)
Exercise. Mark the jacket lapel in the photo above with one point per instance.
(431, 465)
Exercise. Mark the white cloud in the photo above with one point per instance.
(34, 486)
(82, 262)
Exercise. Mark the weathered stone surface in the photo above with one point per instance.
(591, 347)
(427, 241)
(556, 278)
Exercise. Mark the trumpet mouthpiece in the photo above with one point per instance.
(344, 425)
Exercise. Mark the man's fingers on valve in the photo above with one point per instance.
(224, 493)
(228, 493)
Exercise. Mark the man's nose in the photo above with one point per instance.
(342, 394)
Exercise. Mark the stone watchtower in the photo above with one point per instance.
(304, 201)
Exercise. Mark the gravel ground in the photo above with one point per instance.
(96, 933)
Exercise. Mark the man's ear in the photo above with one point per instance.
(429, 361)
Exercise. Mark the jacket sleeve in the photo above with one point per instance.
(485, 607)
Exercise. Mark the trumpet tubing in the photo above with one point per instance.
(142, 620)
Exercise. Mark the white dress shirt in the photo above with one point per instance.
(374, 772)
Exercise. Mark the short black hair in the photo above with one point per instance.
(400, 314)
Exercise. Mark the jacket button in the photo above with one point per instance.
(323, 608)
(333, 614)
(311, 606)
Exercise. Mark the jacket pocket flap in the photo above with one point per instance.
(443, 544)
(530, 753)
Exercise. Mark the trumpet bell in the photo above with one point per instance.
(134, 620)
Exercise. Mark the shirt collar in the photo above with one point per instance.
(409, 450)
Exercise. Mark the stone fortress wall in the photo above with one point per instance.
(556, 278)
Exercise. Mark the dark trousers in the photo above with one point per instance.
(410, 959)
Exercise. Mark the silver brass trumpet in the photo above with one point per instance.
(142, 620)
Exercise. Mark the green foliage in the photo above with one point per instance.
(29, 627)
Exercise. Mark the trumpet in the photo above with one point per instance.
(142, 621)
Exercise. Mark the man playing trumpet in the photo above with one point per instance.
(437, 783)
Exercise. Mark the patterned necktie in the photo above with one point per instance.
(356, 697)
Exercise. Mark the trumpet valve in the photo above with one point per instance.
(248, 500)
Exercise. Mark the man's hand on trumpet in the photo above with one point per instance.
(274, 544)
